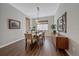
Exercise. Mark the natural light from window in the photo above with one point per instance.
(42, 27)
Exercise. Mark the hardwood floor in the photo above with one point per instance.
(18, 49)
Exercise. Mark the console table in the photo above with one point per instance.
(60, 41)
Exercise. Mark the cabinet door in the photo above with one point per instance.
(61, 42)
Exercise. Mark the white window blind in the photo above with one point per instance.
(42, 27)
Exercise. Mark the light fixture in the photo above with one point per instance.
(37, 13)
(37, 18)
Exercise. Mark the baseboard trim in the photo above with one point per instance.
(10, 43)
(68, 52)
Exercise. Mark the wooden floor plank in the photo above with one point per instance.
(18, 49)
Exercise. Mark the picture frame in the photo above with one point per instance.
(62, 23)
(59, 24)
(14, 24)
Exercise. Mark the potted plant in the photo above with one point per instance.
(53, 26)
(33, 28)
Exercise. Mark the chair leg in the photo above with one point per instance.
(31, 46)
(25, 43)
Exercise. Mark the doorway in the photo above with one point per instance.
(27, 24)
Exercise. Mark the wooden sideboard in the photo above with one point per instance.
(60, 41)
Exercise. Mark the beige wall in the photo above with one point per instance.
(72, 25)
(10, 35)
(50, 22)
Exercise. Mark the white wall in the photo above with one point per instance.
(9, 35)
(50, 22)
(72, 25)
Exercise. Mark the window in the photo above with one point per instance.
(42, 27)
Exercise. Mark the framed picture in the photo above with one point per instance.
(62, 23)
(14, 24)
(59, 24)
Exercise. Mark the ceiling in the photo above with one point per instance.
(45, 9)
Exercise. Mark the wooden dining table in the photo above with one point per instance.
(37, 37)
